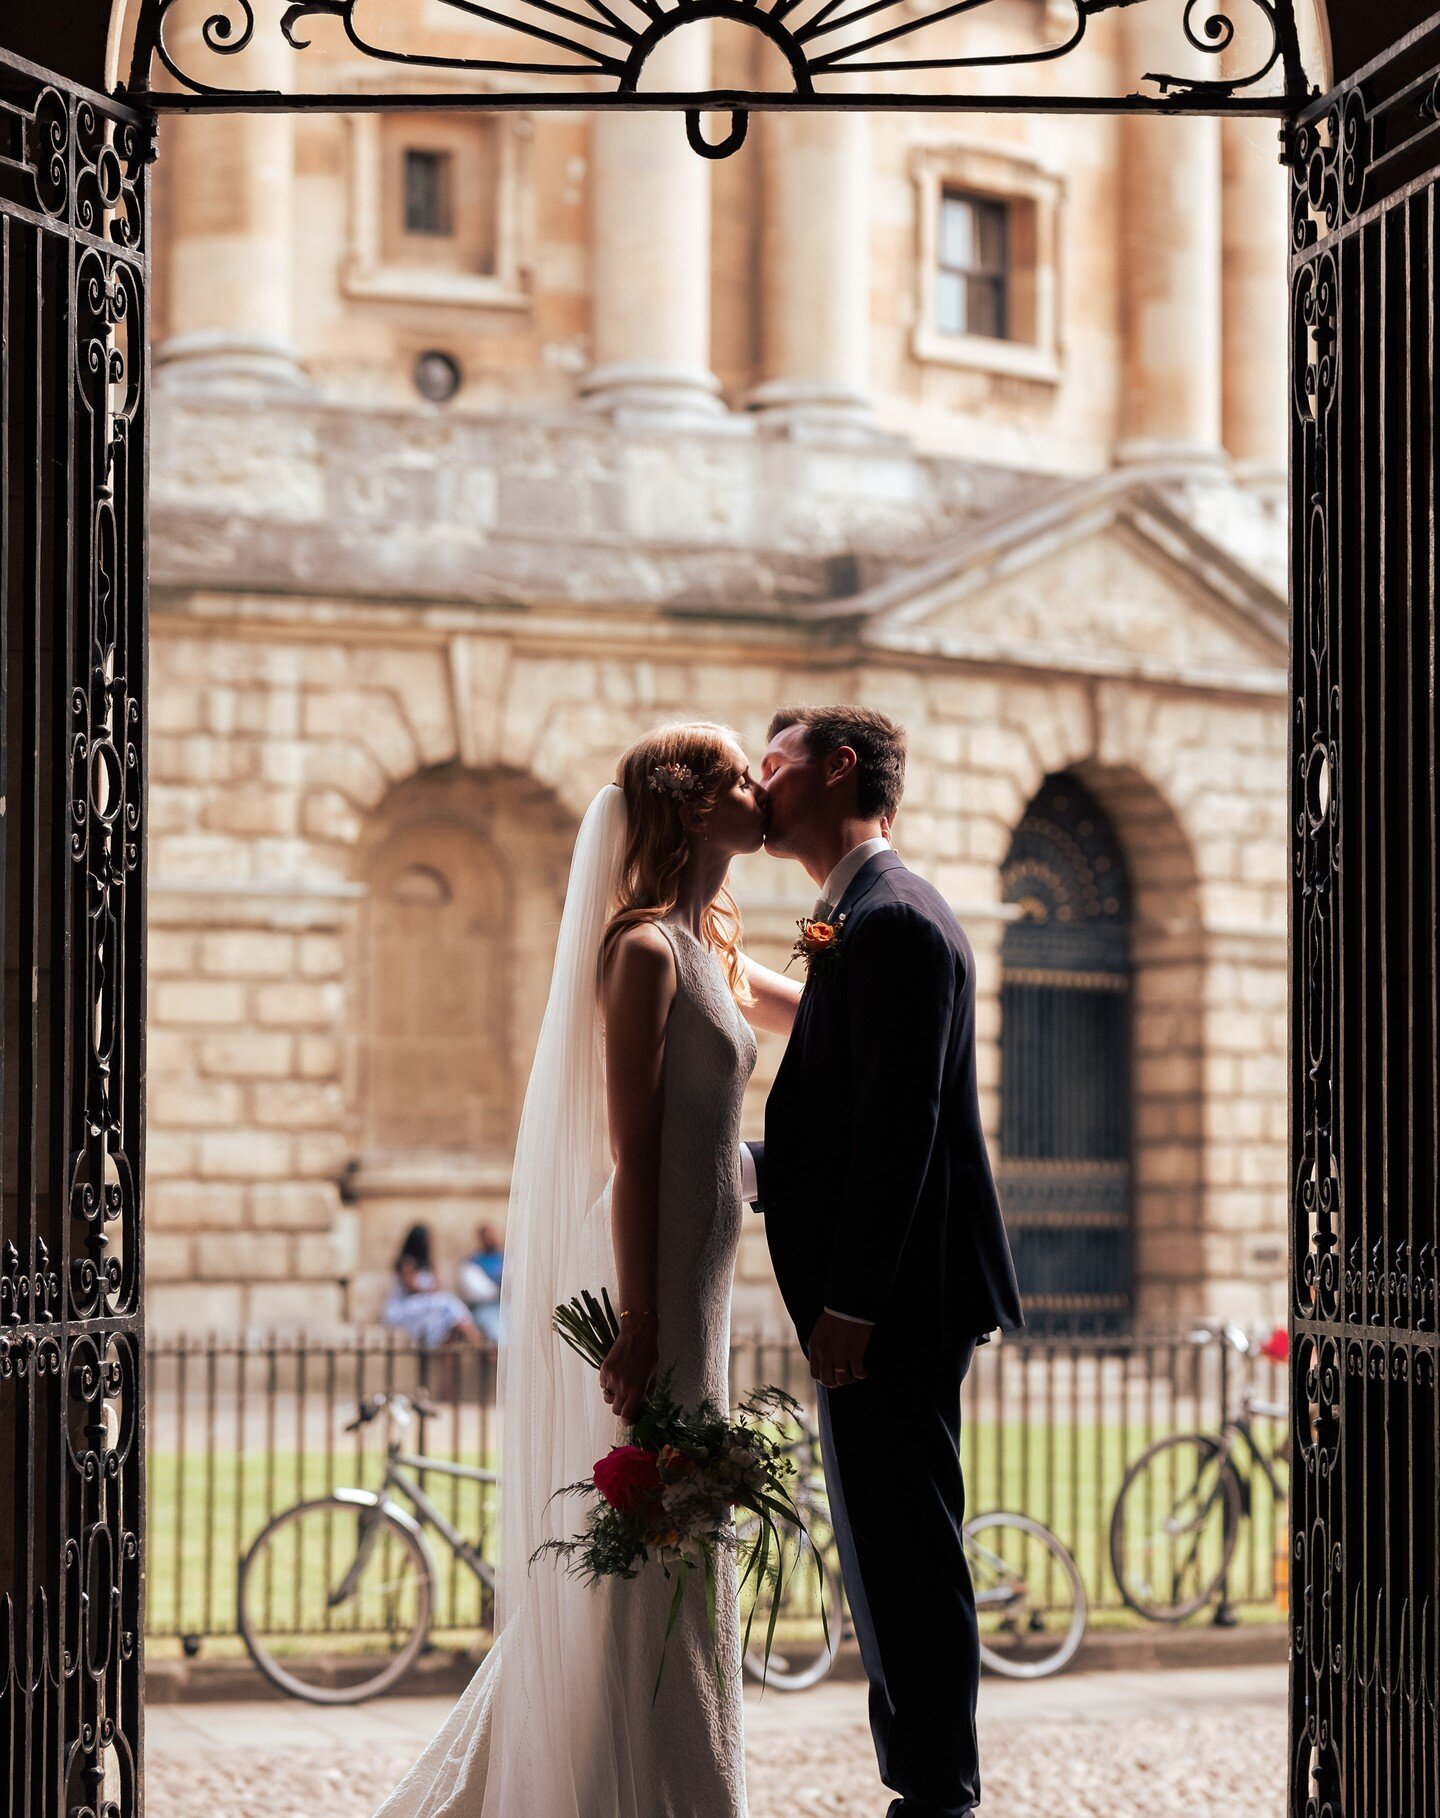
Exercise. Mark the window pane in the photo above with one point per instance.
(957, 232)
(427, 192)
(973, 266)
(950, 303)
(985, 298)
(990, 236)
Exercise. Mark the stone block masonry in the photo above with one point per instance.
(357, 875)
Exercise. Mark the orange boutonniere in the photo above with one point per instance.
(818, 945)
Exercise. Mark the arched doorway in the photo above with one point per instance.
(1065, 1117)
(463, 872)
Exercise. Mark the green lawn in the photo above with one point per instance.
(200, 1520)
(205, 1512)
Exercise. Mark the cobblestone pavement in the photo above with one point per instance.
(1184, 1744)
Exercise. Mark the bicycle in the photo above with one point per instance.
(1029, 1596)
(355, 1573)
(1176, 1521)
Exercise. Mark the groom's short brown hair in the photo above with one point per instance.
(878, 742)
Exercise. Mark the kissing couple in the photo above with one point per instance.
(887, 1241)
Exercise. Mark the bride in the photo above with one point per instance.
(646, 1041)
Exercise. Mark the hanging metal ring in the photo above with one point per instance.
(733, 140)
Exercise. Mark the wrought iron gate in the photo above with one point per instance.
(72, 498)
(1366, 1610)
(1065, 1020)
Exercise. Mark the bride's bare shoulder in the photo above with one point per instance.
(640, 961)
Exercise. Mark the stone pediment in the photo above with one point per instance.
(1106, 576)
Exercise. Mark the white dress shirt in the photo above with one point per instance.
(841, 878)
(838, 882)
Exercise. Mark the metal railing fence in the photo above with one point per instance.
(240, 1428)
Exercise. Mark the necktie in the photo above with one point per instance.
(823, 910)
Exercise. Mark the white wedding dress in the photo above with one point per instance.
(559, 1720)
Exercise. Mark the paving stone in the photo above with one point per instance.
(1108, 1745)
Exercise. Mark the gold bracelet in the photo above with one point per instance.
(637, 1313)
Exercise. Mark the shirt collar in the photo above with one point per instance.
(841, 878)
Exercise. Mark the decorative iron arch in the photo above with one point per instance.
(592, 54)
(1065, 1125)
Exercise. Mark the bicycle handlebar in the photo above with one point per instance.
(400, 1408)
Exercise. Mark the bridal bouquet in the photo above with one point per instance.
(668, 1497)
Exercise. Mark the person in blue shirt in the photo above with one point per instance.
(479, 1281)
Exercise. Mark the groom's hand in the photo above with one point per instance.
(837, 1350)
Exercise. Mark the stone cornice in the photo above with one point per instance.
(548, 630)
(1012, 540)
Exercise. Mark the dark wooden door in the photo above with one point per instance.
(72, 619)
(1366, 1598)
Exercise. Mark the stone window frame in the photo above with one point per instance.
(1034, 195)
(366, 273)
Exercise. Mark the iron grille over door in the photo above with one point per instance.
(1365, 1590)
(1065, 1064)
(72, 586)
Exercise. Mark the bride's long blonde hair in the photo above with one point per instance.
(698, 759)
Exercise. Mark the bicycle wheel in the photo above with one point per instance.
(334, 1600)
(1175, 1525)
(1029, 1598)
(800, 1655)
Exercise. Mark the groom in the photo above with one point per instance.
(886, 1234)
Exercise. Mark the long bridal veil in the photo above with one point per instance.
(536, 1734)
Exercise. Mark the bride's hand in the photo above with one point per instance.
(629, 1370)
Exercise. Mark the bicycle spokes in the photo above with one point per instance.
(1174, 1527)
(333, 1598)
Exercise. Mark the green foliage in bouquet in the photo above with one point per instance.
(669, 1496)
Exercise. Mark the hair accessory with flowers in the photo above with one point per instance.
(818, 943)
(678, 780)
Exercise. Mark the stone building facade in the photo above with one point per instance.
(484, 444)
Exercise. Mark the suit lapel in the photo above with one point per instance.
(859, 887)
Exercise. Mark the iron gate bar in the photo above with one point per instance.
(73, 332)
(717, 100)
(1365, 1683)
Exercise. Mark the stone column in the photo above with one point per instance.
(229, 253)
(1170, 273)
(1255, 289)
(816, 273)
(650, 252)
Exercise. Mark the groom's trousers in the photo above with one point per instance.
(891, 1446)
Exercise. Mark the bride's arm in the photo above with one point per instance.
(639, 988)
(777, 998)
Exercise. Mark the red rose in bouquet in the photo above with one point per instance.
(628, 1479)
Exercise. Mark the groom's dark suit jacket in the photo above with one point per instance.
(874, 1179)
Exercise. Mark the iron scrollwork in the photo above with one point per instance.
(594, 52)
(1365, 1592)
(73, 191)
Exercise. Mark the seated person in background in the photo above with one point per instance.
(479, 1281)
(427, 1314)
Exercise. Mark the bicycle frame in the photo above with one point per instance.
(396, 1478)
(1241, 1428)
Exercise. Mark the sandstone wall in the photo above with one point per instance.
(284, 734)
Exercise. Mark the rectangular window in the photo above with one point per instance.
(972, 282)
(429, 189)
